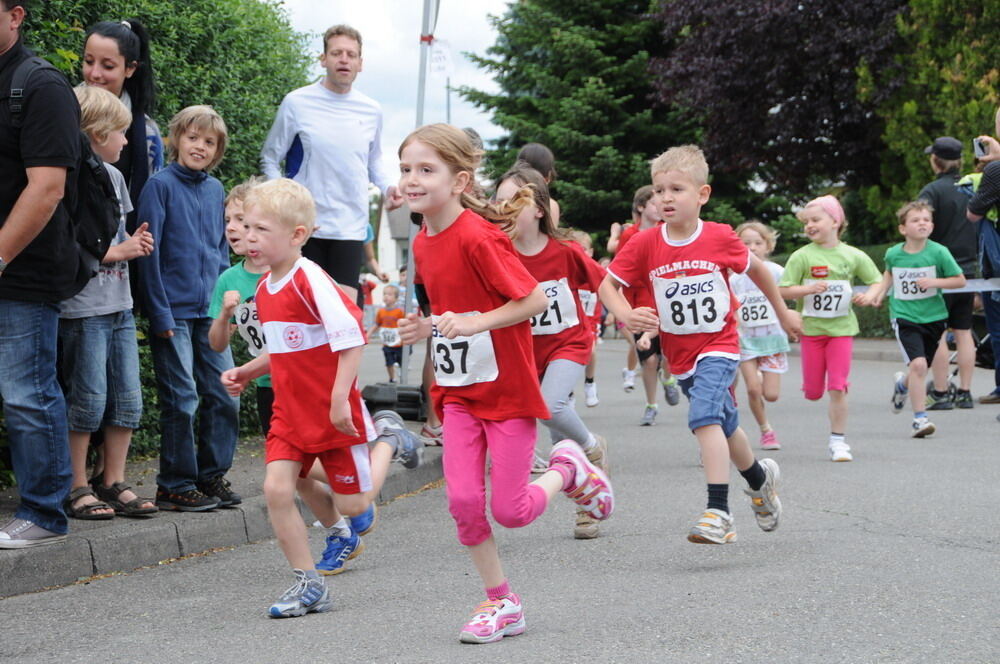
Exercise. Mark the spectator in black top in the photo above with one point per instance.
(39, 266)
(987, 197)
(953, 230)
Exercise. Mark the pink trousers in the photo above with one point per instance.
(826, 364)
(514, 501)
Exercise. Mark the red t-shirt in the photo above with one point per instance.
(307, 321)
(472, 266)
(689, 282)
(635, 296)
(367, 286)
(562, 269)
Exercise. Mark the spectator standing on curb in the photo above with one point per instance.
(329, 136)
(39, 267)
(953, 231)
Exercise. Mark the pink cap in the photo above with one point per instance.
(830, 205)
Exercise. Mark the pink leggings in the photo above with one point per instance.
(514, 501)
(826, 363)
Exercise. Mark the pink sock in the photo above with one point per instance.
(498, 592)
(567, 470)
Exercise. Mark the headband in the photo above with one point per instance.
(830, 205)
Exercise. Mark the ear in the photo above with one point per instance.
(130, 68)
(461, 181)
(300, 235)
(17, 17)
(704, 193)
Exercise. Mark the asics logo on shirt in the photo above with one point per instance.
(690, 289)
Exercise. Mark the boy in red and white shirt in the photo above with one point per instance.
(686, 262)
(314, 341)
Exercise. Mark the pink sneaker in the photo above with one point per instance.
(494, 619)
(768, 441)
(590, 488)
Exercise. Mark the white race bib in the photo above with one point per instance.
(249, 327)
(389, 336)
(463, 360)
(588, 299)
(755, 310)
(834, 302)
(904, 282)
(561, 312)
(690, 305)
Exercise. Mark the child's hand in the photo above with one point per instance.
(234, 381)
(230, 300)
(927, 283)
(413, 328)
(642, 319)
(816, 287)
(340, 417)
(862, 299)
(791, 323)
(451, 325)
(138, 244)
(644, 342)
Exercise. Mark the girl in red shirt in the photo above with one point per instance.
(481, 301)
(561, 335)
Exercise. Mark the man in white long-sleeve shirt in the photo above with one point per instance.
(329, 137)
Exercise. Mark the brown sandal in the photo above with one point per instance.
(131, 508)
(86, 512)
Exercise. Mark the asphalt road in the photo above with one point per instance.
(892, 558)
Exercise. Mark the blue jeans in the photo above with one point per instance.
(710, 393)
(187, 371)
(101, 371)
(35, 411)
(991, 307)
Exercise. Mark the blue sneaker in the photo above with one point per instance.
(409, 448)
(338, 551)
(364, 523)
(306, 596)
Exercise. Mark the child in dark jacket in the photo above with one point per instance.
(183, 206)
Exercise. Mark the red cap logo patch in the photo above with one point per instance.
(820, 271)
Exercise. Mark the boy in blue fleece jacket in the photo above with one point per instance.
(183, 206)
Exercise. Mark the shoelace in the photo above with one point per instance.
(486, 610)
(295, 591)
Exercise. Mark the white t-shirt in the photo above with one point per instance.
(331, 144)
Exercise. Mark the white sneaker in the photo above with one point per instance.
(922, 427)
(899, 391)
(840, 452)
(590, 393)
(539, 465)
(713, 527)
(628, 380)
(765, 503)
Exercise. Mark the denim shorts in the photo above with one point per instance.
(100, 364)
(710, 393)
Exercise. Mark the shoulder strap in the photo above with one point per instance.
(18, 83)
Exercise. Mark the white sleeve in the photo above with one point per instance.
(376, 170)
(279, 140)
(342, 328)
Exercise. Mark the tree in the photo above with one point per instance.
(574, 76)
(240, 56)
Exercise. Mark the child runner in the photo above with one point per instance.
(763, 344)
(540, 158)
(685, 263)
(820, 274)
(387, 321)
(100, 358)
(561, 335)
(314, 343)
(481, 299)
(917, 269)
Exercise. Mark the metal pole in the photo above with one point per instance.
(447, 98)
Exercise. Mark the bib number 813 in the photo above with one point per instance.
(679, 317)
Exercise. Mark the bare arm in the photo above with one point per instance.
(452, 325)
(340, 407)
(760, 275)
(33, 209)
(642, 319)
(222, 329)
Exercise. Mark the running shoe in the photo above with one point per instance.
(338, 551)
(585, 526)
(769, 441)
(219, 487)
(765, 503)
(628, 380)
(590, 394)
(431, 435)
(671, 391)
(364, 523)
(840, 452)
(939, 400)
(408, 449)
(899, 391)
(590, 487)
(306, 596)
(963, 399)
(494, 619)
(648, 416)
(713, 527)
(922, 427)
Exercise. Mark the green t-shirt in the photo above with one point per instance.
(908, 302)
(829, 313)
(236, 278)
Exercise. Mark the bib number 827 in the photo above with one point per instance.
(679, 317)
(826, 302)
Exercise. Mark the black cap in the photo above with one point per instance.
(945, 147)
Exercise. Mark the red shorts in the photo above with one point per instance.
(348, 469)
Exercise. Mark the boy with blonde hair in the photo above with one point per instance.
(686, 263)
(387, 320)
(314, 342)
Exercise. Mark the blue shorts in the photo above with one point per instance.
(710, 393)
(393, 355)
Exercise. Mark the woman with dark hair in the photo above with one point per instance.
(116, 58)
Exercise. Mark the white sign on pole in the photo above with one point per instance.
(441, 62)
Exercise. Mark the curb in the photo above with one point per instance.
(130, 543)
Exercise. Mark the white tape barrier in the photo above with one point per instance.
(971, 286)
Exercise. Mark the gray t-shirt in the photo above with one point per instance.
(108, 291)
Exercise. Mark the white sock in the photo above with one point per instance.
(591, 442)
(340, 529)
(837, 439)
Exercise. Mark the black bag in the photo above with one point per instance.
(91, 199)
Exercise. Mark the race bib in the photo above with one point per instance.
(463, 360)
(389, 336)
(755, 310)
(588, 299)
(249, 327)
(690, 305)
(834, 302)
(561, 312)
(904, 282)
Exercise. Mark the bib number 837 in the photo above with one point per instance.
(451, 357)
